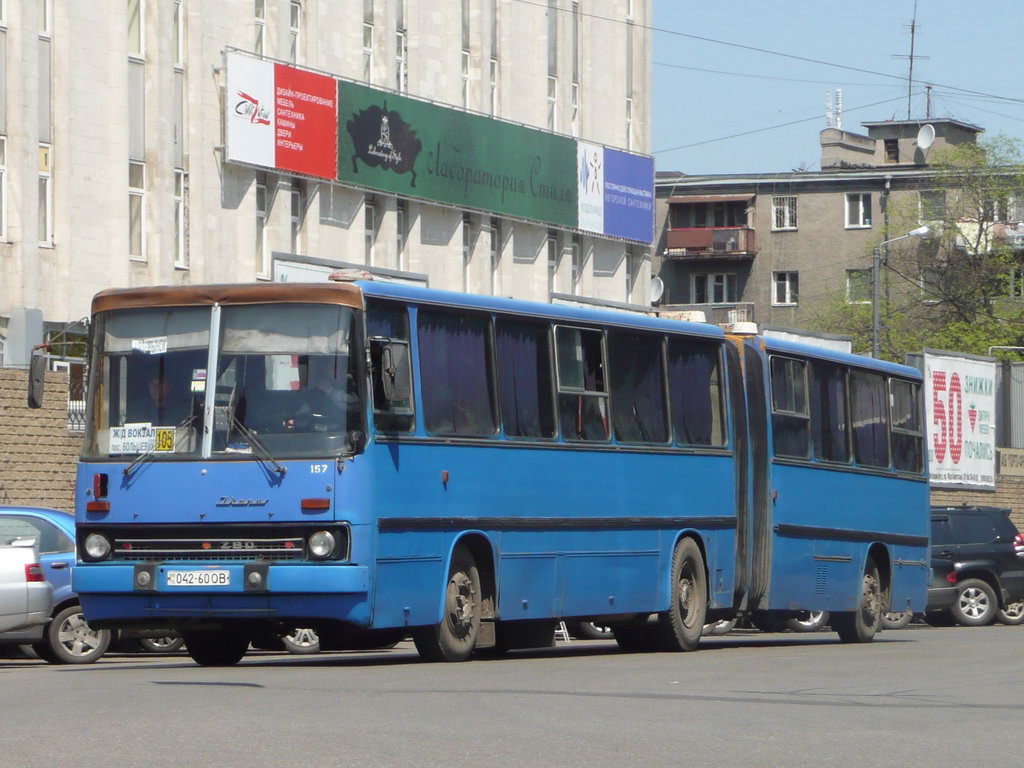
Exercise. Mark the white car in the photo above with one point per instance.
(26, 598)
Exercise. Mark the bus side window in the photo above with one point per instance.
(456, 373)
(696, 392)
(790, 422)
(829, 420)
(582, 391)
(387, 326)
(524, 378)
(907, 437)
(636, 371)
(869, 414)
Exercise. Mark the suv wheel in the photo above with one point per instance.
(975, 604)
(1013, 614)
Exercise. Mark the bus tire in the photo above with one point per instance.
(223, 648)
(679, 628)
(860, 626)
(455, 637)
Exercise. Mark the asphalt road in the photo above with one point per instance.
(919, 696)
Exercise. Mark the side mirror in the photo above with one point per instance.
(36, 381)
(396, 373)
(357, 441)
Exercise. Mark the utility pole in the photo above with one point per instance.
(876, 284)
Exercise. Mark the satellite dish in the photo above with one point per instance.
(926, 136)
(655, 290)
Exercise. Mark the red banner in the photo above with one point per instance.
(306, 122)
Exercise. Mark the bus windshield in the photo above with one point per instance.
(286, 382)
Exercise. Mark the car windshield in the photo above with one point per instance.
(285, 384)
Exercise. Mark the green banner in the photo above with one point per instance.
(415, 149)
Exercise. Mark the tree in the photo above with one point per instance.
(963, 288)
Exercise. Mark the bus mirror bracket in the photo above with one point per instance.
(36, 378)
(395, 371)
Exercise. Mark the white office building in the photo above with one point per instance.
(124, 162)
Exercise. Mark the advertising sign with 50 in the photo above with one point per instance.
(960, 401)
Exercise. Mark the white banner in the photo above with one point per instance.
(590, 184)
(250, 111)
(960, 402)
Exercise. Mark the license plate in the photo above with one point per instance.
(211, 578)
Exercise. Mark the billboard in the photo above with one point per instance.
(290, 120)
(417, 149)
(281, 117)
(960, 404)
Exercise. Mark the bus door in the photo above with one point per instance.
(754, 361)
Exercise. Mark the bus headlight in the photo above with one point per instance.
(321, 545)
(97, 547)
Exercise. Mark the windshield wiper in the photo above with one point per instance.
(148, 455)
(261, 450)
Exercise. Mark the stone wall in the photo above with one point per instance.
(37, 452)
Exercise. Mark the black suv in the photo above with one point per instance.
(988, 552)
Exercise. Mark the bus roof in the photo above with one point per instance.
(773, 344)
(564, 312)
(228, 293)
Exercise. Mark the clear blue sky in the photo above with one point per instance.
(974, 46)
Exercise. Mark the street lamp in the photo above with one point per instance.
(876, 280)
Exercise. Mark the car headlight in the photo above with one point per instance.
(97, 546)
(321, 545)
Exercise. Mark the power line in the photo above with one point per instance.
(769, 127)
(769, 77)
(756, 49)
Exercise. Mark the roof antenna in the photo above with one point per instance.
(913, 27)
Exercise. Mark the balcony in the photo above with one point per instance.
(717, 314)
(711, 242)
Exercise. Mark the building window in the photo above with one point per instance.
(44, 12)
(858, 210)
(494, 68)
(260, 18)
(467, 250)
(180, 244)
(932, 204)
(858, 286)
(401, 233)
(787, 288)
(262, 212)
(367, 40)
(135, 27)
(629, 124)
(298, 212)
(494, 254)
(294, 28)
(136, 209)
(553, 259)
(465, 79)
(3, 188)
(892, 150)
(493, 92)
(575, 95)
(552, 103)
(45, 196)
(631, 270)
(577, 265)
(719, 288)
(179, 34)
(370, 231)
(784, 212)
(401, 50)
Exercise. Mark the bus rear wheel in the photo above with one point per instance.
(209, 648)
(861, 625)
(680, 627)
(455, 637)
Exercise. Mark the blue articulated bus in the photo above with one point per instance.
(377, 461)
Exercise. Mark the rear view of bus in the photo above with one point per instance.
(219, 424)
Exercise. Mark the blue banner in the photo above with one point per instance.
(628, 196)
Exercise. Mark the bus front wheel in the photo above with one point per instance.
(680, 627)
(455, 637)
(861, 625)
(216, 649)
